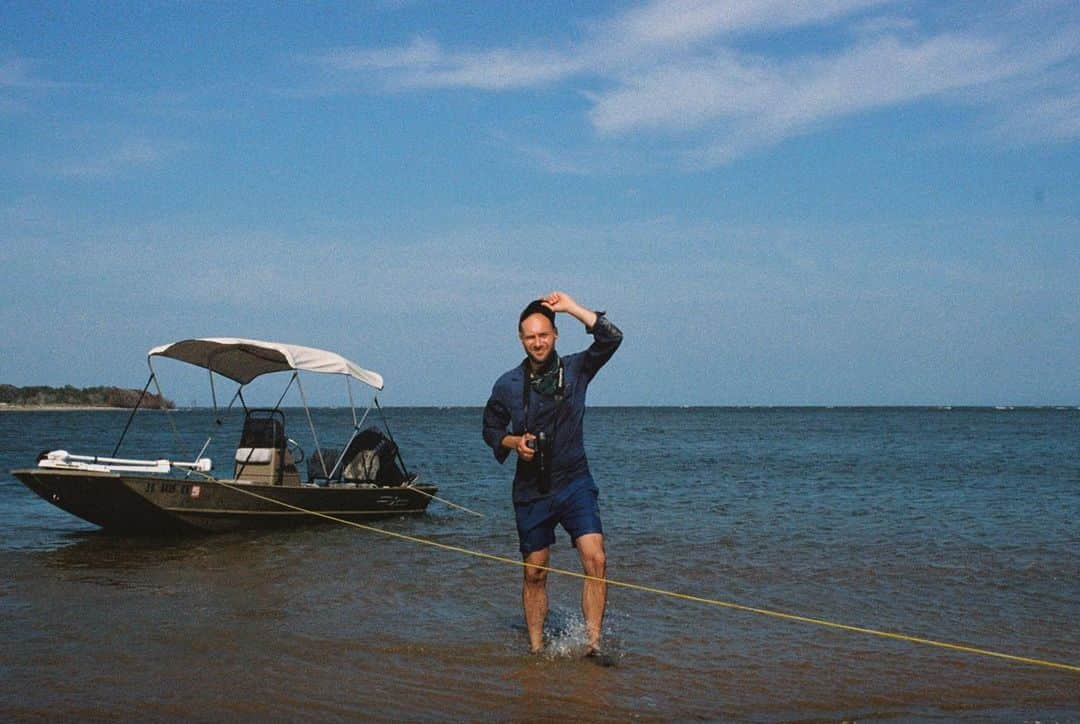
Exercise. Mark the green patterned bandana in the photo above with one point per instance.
(548, 380)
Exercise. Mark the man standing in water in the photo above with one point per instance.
(537, 410)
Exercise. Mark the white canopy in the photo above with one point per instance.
(242, 360)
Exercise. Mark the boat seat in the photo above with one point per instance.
(315, 471)
(254, 455)
(261, 455)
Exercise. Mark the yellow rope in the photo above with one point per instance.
(670, 594)
(447, 502)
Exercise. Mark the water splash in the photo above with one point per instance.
(565, 635)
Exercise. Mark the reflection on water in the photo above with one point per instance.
(955, 525)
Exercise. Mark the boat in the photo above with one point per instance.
(364, 479)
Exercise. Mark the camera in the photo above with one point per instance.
(541, 444)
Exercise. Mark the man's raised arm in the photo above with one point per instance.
(563, 302)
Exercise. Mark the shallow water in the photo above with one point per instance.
(955, 525)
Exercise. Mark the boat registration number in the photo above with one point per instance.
(155, 486)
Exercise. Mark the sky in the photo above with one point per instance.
(839, 202)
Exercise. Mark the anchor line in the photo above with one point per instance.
(671, 594)
(444, 502)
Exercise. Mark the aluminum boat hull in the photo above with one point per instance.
(162, 505)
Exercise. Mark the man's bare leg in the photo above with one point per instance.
(534, 597)
(594, 592)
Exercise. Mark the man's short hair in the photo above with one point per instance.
(536, 307)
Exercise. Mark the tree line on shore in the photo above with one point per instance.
(44, 396)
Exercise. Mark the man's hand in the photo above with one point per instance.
(559, 302)
(520, 445)
(563, 302)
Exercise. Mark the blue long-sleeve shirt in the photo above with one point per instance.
(562, 421)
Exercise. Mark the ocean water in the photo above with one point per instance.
(956, 525)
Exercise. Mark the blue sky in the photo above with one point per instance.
(838, 202)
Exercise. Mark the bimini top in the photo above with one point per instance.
(242, 360)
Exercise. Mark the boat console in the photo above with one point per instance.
(263, 455)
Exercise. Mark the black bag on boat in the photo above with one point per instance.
(371, 457)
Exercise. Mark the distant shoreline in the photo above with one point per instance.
(5, 407)
(68, 397)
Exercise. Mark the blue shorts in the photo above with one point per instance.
(576, 507)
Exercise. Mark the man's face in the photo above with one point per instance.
(538, 336)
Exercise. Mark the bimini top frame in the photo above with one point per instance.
(243, 360)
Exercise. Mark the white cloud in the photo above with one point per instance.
(496, 70)
(680, 69)
(419, 53)
(884, 24)
(132, 153)
(425, 64)
(683, 96)
(746, 102)
(673, 23)
(632, 37)
(17, 78)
